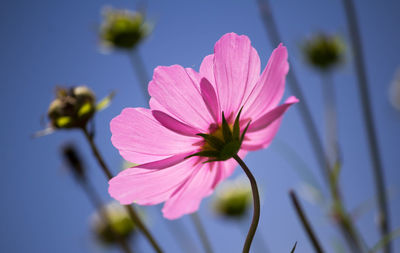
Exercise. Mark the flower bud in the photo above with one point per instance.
(123, 29)
(324, 51)
(72, 108)
(233, 199)
(112, 223)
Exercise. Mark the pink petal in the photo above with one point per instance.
(263, 137)
(165, 163)
(265, 120)
(226, 168)
(199, 185)
(236, 71)
(187, 198)
(141, 139)
(149, 187)
(269, 89)
(207, 69)
(210, 98)
(179, 94)
(173, 124)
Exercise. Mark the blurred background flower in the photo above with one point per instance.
(118, 224)
(233, 198)
(324, 51)
(123, 29)
(72, 107)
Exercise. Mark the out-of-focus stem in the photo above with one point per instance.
(310, 126)
(384, 219)
(98, 204)
(256, 203)
(275, 38)
(183, 238)
(343, 218)
(304, 221)
(202, 232)
(132, 213)
(140, 70)
(344, 221)
(332, 147)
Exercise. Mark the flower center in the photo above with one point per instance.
(224, 142)
(217, 133)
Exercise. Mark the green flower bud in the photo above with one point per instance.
(324, 51)
(233, 199)
(123, 29)
(72, 108)
(112, 223)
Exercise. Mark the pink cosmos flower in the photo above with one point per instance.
(185, 103)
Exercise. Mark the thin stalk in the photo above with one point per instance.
(384, 219)
(256, 203)
(311, 128)
(98, 204)
(345, 222)
(259, 243)
(306, 224)
(201, 232)
(131, 211)
(140, 70)
(180, 234)
(344, 219)
(328, 94)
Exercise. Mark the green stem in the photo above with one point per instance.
(305, 222)
(181, 235)
(98, 204)
(132, 213)
(260, 244)
(384, 222)
(328, 94)
(340, 214)
(344, 219)
(311, 128)
(202, 232)
(256, 202)
(140, 70)
(385, 240)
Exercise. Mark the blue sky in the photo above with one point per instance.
(45, 43)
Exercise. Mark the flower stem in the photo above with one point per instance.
(181, 235)
(384, 222)
(132, 213)
(311, 128)
(202, 232)
(331, 133)
(333, 154)
(140, 70)
(305, 222)
(98, 204)
(256, 202)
